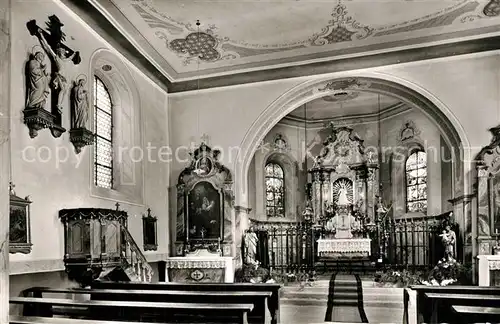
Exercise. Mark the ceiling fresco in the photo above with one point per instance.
(239, 36)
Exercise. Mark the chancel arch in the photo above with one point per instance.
(408, 93)
(409, 120)
(126, 136)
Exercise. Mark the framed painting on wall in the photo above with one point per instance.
(204, 213)
(19, 230)
(150, 236)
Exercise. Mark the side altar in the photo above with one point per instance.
(205, 215)
(344, 194)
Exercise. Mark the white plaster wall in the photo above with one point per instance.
(54, 186)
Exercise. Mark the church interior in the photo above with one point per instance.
(249, 161)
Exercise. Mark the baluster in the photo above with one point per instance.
(144, 273)
(129, 253)
(138, 268)
(133, 258)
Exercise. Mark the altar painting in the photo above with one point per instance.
(204, 217)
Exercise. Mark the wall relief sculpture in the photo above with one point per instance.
(409, 131)
(488, 191)
(80, 136)
(39, 82)
(205, 201)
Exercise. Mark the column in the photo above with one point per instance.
(4, 157)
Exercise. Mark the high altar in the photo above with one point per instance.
(344, 194)
(205, 216)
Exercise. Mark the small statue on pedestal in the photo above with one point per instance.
(37, 82)
(449, 240)
(251, 240)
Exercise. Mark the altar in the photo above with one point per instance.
(344, 248)
(200, 269)
(204, 245)
(344, 193)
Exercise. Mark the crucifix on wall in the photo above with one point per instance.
(60, 55)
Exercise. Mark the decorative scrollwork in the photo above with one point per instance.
(341, 28)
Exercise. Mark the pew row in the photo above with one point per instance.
(139, 311)
(56, 320)
(425, 304)
(257, 298)
(476, 314)
(273, 302)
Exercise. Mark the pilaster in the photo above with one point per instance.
(5, 7)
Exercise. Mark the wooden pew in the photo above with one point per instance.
(133, 311)
(56, 320)
(424, 311)
(476, 314)
(258, 298)
(273, 303)
(441, 304)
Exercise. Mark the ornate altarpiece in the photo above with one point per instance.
(205, 210)
(343, 168)
(488, 194)
(344, 184)
(205, 202)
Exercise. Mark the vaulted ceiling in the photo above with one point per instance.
(242, 36)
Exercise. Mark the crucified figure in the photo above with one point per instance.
(59, 81)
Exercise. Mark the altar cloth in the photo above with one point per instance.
(328, 247)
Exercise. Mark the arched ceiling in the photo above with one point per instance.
(239, 36)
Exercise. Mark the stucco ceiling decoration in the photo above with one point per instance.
(341, 96)
(238, 36)
(361, 105)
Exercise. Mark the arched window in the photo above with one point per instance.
(275, 190)
(416, 182)
(103, 127)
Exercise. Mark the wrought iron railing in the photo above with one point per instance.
(405, 243)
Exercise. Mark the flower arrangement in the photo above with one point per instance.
(446, 272)
(397, 278)
(253, 273)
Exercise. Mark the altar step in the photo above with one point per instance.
(317, 295)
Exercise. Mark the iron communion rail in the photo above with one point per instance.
(409, 243)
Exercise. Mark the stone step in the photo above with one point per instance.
(325, 290)
(366, 297)
(319, 302)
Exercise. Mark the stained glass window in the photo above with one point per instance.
(416, 182)
(103, 127)
(275, 190)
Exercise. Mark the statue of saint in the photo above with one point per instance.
(59, 80)
(37, 83)
(449, 239)
(251, 241)
(343, 199)
(79, 105)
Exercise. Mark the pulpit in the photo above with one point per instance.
(344, 194)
